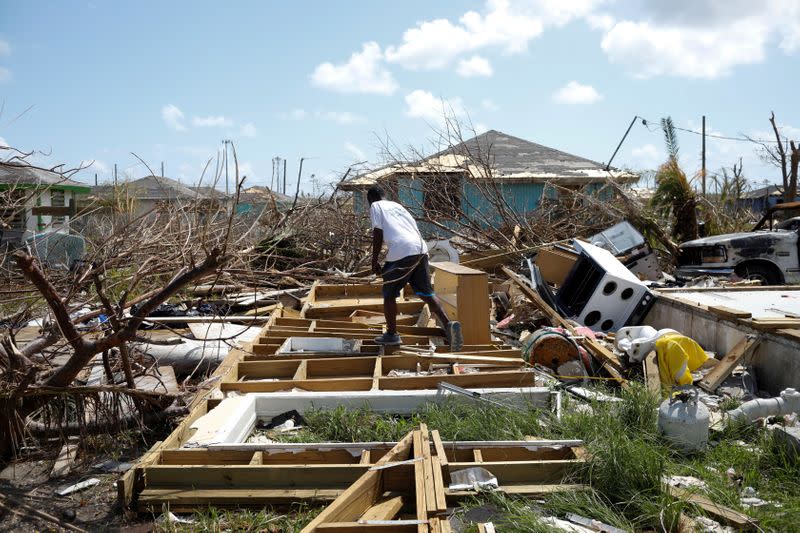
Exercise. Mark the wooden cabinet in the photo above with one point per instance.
(464, 293)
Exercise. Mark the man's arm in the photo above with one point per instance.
(377, 243)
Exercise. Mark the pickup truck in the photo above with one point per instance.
(771, 255)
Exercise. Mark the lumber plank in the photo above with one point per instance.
(439, 447)
(544, 471)
(438, 484)
(361, 495)
(377, 373)
(357, 527)
(651, 373)
(182, 500)
(300, 373)
(385, 509)
(420, 493)
(520, 489)
(720, 512)
(729, 312)
(742, 350)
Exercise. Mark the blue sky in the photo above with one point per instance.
(331, 82)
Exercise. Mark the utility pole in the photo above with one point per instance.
(95, 179)
(115, 174)
(284, 174)
(608, 165)
(162, 169)
(703, 170)
(225, 143)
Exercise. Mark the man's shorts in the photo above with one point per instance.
(412, 269)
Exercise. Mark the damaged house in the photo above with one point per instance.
(481, 177)
(153, 192)
(29, 194)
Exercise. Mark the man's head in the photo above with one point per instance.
(374, 194)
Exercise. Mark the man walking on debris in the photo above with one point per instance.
(406, 262)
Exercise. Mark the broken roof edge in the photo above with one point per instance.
(622, 177)
(508, 158)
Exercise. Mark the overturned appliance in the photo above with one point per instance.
(600, 293)
(630, 247)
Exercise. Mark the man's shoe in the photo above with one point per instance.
(389, 339)
(454, 336)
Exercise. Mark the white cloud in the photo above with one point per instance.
(296, 114)
(358, 154)
(474, 66)
(703, 39)
(422, 104)
(173, 117)
(364, 72)
(342, 117)
(3, 143)
(5, 74)
(5, 48)
(245, 169)
(210, 121)
(577, 93)
(248, 130)
(647, 156)
(95, 166)
(506, 25)
(489, 105)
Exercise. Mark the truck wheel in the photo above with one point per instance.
(767, 275)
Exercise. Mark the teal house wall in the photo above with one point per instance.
(520, 197)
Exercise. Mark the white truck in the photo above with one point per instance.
(771, 255)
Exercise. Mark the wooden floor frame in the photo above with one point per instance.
(356, 476)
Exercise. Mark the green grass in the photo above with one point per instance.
(243, 520)
(627, 460)
(455, 420)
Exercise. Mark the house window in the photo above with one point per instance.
(57, 200)
(13, 214)
(442, 195)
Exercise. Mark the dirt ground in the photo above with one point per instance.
(26, 487)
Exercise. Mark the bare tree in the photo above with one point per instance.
(784, 154)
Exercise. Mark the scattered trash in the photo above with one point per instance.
(475, 478)
(688, 482)
(91, 482)
(684, 421)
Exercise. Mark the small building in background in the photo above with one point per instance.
(257, 198)
(481, 177)
(34, 201)
(157, 193)
(759, 200)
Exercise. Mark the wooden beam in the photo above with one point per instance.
(741, 351)
(729, 312)
(386, 509)
(301, 372)
(651, 373)
(724, 514)
(362, 494)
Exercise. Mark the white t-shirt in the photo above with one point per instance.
(400, 232)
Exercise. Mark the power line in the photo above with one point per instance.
(647, 123)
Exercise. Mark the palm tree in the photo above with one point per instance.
(674, 195)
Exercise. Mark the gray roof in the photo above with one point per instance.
(512, 155)
(258, 193)
(16, 174)
(210, 192)
(155, 188)
(508, 158)
(770, 190)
